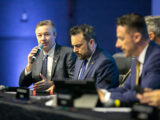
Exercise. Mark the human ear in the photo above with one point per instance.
(151, 35)
(54, 34)
(137, 37)
(91, 42)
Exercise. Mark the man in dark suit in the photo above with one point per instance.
(132, 38)
(152, 97)
(153, 27)
(53, 62)
(93, 62)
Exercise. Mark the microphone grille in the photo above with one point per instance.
(40, 46)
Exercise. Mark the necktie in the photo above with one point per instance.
(137, 72)
(83, 69)
(44, 66)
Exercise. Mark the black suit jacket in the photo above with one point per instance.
(63, 66)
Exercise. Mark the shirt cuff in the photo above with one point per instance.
(26, 73)
(107, 97)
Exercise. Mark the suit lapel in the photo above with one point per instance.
(77, 68)
(147, 57)
(91, 63)
(148, 52)
(133, 72)
(89, 68)
(55, 59)
(37, 66)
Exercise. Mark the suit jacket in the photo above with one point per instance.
(102, 68)
(150, 77)
(63, 66)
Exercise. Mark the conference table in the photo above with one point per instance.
(36, 109)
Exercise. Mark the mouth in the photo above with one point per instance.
(81, 57)
(78, 55)
(44, 44)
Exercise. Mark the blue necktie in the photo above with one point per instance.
(44, 66)
(83, 69)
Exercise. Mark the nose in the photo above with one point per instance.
(75, 49)
(43, 37)
(117, 44)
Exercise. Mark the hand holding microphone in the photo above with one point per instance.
(33, 55)
(40, 47)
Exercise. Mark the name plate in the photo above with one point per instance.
(22, 94)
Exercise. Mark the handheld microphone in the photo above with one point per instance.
(40, 47)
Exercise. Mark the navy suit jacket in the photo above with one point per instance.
(150, 77)
(63, 66)
(102, 68)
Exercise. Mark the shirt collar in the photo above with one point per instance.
(142, 55)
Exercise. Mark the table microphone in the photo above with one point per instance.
(117, 103)
(139, 89)
(40, 47)
(8, 89)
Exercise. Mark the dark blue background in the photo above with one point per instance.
(17, 35)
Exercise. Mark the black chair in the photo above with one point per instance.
(123, 64)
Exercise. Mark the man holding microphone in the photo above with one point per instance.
(52, 62)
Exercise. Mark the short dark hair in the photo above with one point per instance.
(134, 21)
(86, 30)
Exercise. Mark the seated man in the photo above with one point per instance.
(153, 27)
(93, 62)
(58, 63)
(132, 38)
(152, 97)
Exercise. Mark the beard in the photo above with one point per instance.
(86, 55)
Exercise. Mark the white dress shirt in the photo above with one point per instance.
(141, 59)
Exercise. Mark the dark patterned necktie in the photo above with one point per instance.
(44, 66)
(83, 69)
